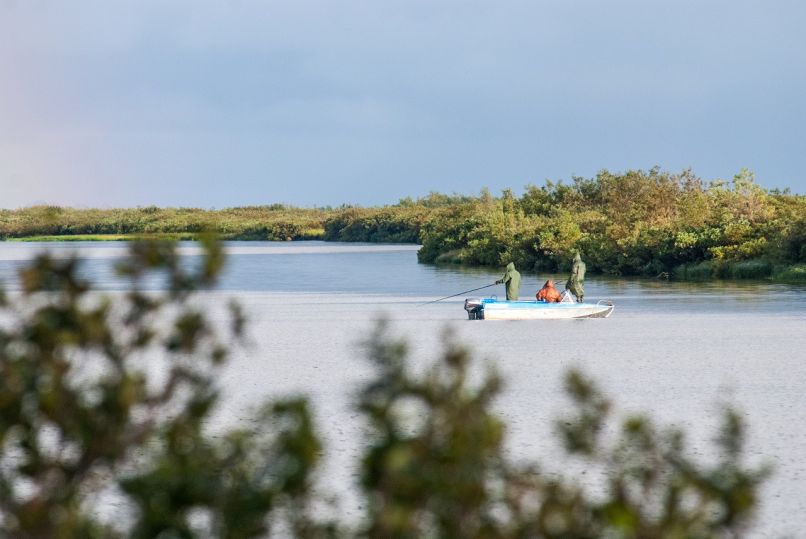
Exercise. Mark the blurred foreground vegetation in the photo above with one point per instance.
(103, 406)
(635, 223)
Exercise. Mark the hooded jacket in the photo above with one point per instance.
(512, 280)
(576, 281)
(548, 293)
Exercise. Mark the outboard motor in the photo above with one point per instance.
(474, 308)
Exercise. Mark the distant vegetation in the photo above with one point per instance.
(635, 223)
(274, 222)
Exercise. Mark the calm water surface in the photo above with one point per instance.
(677, 351)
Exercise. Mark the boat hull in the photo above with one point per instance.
(493, 309)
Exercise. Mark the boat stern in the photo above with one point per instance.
(474, 308)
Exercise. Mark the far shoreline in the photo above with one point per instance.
(705, 270)
(639, 222)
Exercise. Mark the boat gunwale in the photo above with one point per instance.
(532, 304)
(496, 309)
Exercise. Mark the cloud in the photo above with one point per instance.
(145, 101)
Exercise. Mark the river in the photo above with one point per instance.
(677, 351)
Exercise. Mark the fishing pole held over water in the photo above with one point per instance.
(459, 294)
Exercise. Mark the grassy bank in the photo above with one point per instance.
(795, 273)
(275, 222)
(746, 269)
(105, 237)
(635, 223)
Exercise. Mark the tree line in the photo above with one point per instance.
(635, 223)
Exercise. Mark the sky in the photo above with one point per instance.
(214, 103)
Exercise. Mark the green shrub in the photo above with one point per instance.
(792, 274)
(694, 272)
(749, 269)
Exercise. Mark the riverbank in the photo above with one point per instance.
(759, 270)
(745, 269)
(636, 223)
(272, 222)
(706, 270)
(105, 237)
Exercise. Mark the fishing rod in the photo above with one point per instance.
(459, 294)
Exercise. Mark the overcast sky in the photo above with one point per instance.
(216, 103)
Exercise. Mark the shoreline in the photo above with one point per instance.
(704, 270)
(639, 222)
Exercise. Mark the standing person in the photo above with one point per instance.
(576, 281)
(548, 293)
(513, 281)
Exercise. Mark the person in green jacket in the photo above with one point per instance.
(576, 281)
(513, 281)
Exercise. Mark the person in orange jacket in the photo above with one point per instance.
(548, 293)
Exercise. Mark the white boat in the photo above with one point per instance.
(495, 309)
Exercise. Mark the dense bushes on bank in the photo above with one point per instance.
(393, 224)
(637, 223)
